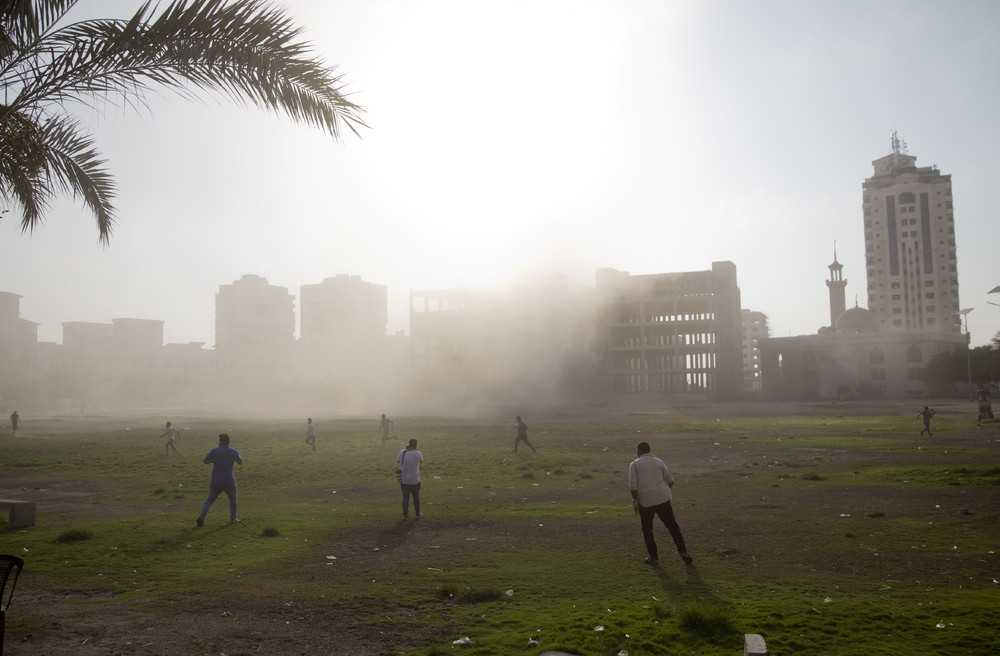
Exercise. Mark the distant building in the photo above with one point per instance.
(342, 339)
(529, 346)
(112, 364)
(857, 360)
(254, 331)
(18, 350)
(912, 315)
(753, 328)
(673, 333)
(910, 245)
(342, 309)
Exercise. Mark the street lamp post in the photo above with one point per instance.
(968, 354)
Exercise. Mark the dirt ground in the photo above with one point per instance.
(236, 622)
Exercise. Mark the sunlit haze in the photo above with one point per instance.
(512, 139)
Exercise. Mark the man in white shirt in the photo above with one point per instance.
(650, 482)
(409, 460)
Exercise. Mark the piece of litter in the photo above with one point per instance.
(827, 600)
(438, 477)
(226, 613)
(598, 628)
(462, 641)
(331, 558)
(510, 593)
(623, 653)
(940, 625)
(376, 549)
(532, 641)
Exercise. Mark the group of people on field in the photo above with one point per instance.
(649, 479)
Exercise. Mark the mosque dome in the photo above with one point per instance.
(856, 320)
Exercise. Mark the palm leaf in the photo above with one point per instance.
(245, 50)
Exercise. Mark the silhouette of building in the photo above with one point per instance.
(343, 351)
(527, 345)
(754, 328)
(118, 363)
(672, 333)
(18, 350)
(910, 245)
(254, 332)
(856, 360)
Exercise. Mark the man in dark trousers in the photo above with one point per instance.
(222, 458)
(650, 482)
(522, 435)
(926, 413)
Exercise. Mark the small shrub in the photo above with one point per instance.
(585, 475)
(469, 595)
(813, 476)
(73, 535)
(269, 532)
(705, 620)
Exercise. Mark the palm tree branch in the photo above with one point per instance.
(73, 165)
(245, 50)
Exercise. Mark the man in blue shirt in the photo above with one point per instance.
(222, 458)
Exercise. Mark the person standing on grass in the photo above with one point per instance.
(170, 434)
(522, 435)
(409, 460)
(926, 413)
(386, 425)
(311, 434)
(650, 482)
(222, 459)
(15, 419)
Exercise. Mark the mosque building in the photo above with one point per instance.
(913, 306)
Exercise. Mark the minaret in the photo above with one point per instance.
(836, 283)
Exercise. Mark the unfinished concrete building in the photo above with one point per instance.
(754, 329)
(672, 333)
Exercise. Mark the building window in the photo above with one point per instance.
(914, 354)
(896, 297)
(929, 295)
(876, 356)
(928, 283)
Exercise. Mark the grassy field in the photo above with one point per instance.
(828, 529)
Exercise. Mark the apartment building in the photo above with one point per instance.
(910, 245)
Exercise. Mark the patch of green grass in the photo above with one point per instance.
(864, 560)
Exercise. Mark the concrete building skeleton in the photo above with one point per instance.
(754, 328)
(672, 333)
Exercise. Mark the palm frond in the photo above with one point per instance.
(56, 156)
(246, 50)
(73, 165)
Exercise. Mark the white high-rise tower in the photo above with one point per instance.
(910, 245)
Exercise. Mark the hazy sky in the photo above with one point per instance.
(515, 138)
